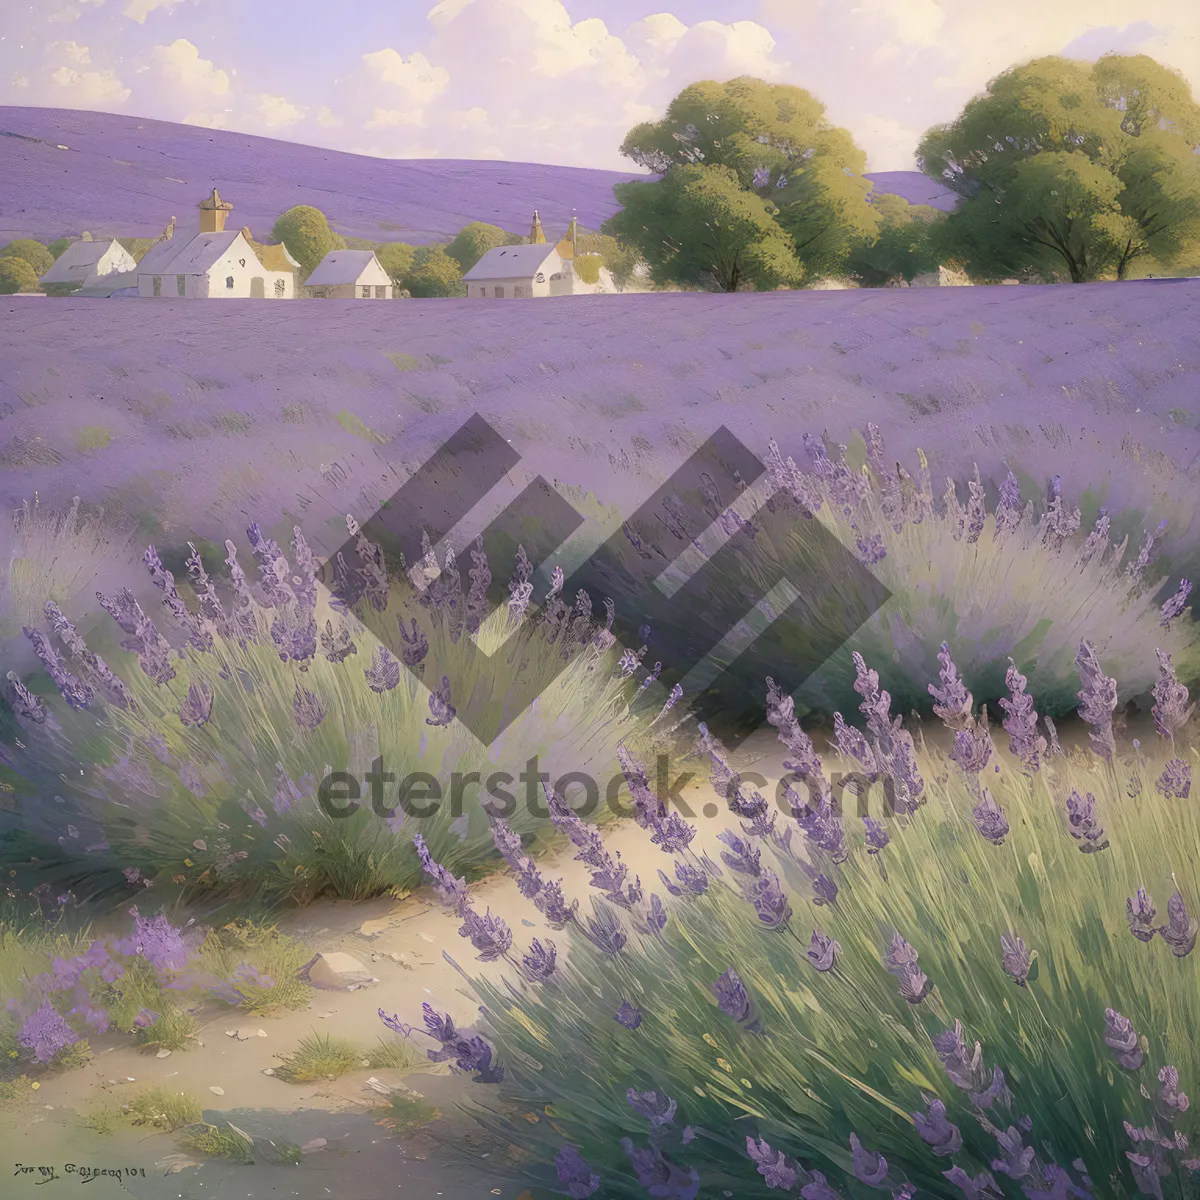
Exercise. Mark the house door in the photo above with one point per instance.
(158, 285)
(258, 288)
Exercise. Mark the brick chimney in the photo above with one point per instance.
(213, 212)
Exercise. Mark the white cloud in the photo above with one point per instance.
(387, 118)
(277, 112)
(181, 65)
(208, 120)
(326, 119)
(72, 52)
(90, 88)
(19, 81)
(139, 10)
(416, 76)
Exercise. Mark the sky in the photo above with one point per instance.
(552, 81)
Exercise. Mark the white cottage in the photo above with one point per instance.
(519, 272)
(82, 261)
(350, 275)
(215, 263)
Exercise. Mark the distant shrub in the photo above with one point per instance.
(305, 232)
(34, 253)
(587, 267)
(92, 437)
(475, 240)
(16, 275)
(434, 273)
(57, 247)
(396, 258)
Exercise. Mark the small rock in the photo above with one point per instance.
(425, 937)
(314, 1146)
(338, 971)
(371, 929)
(217, 1091)
(366, 1062)
(163, 1054)
(268, 1070)
(262, 1033)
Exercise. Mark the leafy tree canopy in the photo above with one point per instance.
(305, 232)
(57, 246)
(16, 275)
(434, 273)
(475, 240)
(396, 258)
(698, 227)
(34, 253)
(905, 244)
(1073, 168)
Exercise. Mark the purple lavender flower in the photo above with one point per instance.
(604, 930)
(869, 1168)
(197, 708)
(439, 705)
(823, 951)
(953, 703)
(1009, 509)
(822, 825)
(689, 881)
(1175, 606)
(876, 703)
(384, 672)
(1016, 957)
(996, 1092)
(659, 1175)
(46, 1033)
(1139, 564)
(574, 1174)
(489, 935)
(779, 1172)
(1057, 523)
(901, 961)
(1169, 1092)
(307, 709)
(989, 819)
(553, 905)
(734, 1001)
(1097, 700)
(1122, 1039)
(1171, 709)
(1020, 721)
(145, 1018)
(982, 1187)
(658, 1108)
(1084, 823)
(628, 1015)
(877, 836)
(25, 704)
(1140, 913)
(1018, 1160)
(469, 1051)
(973, 746)
(540, 962)
(851, 743)
(1180, 930)
(818, 1189)
(1175, 783)
(935, 1130)
(770, 901)
(74, 691)
(452, 892)
(741, 856)
(825, 891)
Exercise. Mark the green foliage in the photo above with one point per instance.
(393, 1054)
(406, 1110)
(698, 227)
(92, 437)
(276, 957)
(39, 257)
(587, 267)
(475, 240)
(357, 426)
(396, 258)
(228, 1143)
(905, 244)
(17, 275)
(305, 232)
(175, 1029)
(434, 273)
(824, 210)
(320, 1056)
(57, 247)
(164, 1109)
(618, 259)
(73, 1057)
(1072, 169)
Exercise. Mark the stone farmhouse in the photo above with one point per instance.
(85, 260)
(350, 275)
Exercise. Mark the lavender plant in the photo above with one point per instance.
(946, 1014)
(199, 761)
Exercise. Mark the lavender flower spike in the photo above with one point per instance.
(953, 702)
(307, 709)
(574, 1174)
(1017, 959)
(658, 1109)
(869, 1168)
(1171, 709)
(823, 951)
(628, 1015)
(1097, 700)
(1084, 824)
(1169, 1092)
(1020, 721)
(734, 1001)
(982, 1187)
(1175, 783)
(197, 708)
(779, 1172)
(990, 820)
(1175, 606)
(1122, 1039)
(1140, 913)
(935, 1130)
(1180, 930)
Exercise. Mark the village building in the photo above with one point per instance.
(216, 262)
(535, 269)
(350, 275)
(84, 260)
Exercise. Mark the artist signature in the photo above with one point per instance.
(80, 1174)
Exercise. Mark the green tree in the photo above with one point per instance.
(306, 234)
(905, 244)
(57, 247)
(396, 258)
(434, 273)
(698, 227)
(781, 149)
(16, 275)
(619, 260)
(475, 240)
(34, 253)
(1072, 168)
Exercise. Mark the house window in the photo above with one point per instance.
(158, 285)
(522, 292)
(366, 292)
(499, 292)
(380, 293)
(229, 282)
(181, 285)
(241, 262)
(540, 277)
(280, 289)
(483, 291)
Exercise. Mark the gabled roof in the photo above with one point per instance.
(79, 260)
(512, 262)
(344, 266)
(196, 257)
(151, 263)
